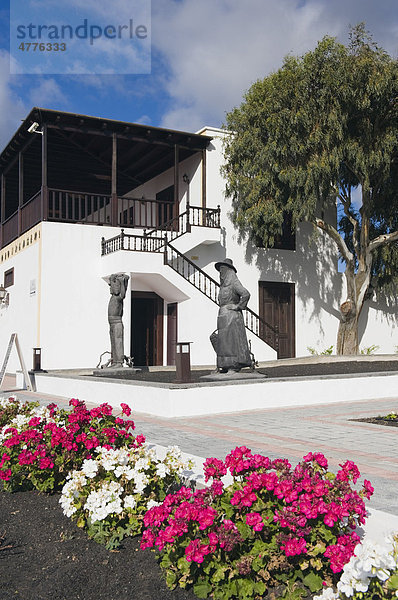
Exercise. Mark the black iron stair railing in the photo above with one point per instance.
(191, 273)
(210, 288)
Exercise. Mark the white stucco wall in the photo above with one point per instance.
(21, 316)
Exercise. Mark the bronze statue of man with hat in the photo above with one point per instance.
(230, 343)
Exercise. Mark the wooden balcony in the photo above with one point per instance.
(65, 206)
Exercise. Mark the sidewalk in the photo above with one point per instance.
(286, 433)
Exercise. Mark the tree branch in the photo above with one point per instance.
(346, 202)
(336, 237)
(386, 238)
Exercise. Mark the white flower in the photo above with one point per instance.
(152, 503)
(20, 420)
(327, 594)
(161, 470)
(71, 491)
(104, 501)
(90, 467)
(141, 481)
(129, 502)
(142, 463)
(174, 451)
(5, 402)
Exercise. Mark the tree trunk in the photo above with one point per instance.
(357, 286)
(347, 336)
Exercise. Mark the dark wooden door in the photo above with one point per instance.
(146, 328)
(277, 309)
(171, 333)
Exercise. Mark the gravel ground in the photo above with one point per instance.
(50, 557)
(291, 370)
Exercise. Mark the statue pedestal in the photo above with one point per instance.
(232, 376)
(115, 371)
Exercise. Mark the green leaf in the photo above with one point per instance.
(259, 587)
(171, 579)
(244, 530)
(202, 589)
(219, 574)
(313, 581)
(392, 583)
(245, 588)
(183, 565)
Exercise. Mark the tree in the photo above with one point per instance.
(323, 125)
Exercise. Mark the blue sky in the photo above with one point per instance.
(205, 54)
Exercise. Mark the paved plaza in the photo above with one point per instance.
(285, 433)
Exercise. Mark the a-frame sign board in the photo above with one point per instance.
(14, 340)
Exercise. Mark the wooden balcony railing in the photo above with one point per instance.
(78, 207)
(31, 212)
(67, 206)
(10, 229)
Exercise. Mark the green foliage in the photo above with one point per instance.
(372, 349)
(392, 416)
(321, 126)
(326, 352)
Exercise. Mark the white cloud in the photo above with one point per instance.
(47, 93)
(12, 108)
(216, 49)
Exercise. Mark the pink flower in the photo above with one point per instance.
(294, 546)
(217, 488)
(5, 474)
(206, 517)
(46, 463)
(139, 440)
(255, 521)
(195, 551)
(348, 470)
(369, 489)
(125, 409)
(214, 468)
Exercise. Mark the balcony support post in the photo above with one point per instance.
(2, 207)
(176, 210)
(114, 207)
(204, 198)
(44, 174)
(20, 191)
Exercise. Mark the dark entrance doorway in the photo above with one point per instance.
(277, 308)
(171, 333)
(146, 328)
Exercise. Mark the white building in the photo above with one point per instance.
(84, 197)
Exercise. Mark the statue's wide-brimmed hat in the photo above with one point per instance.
(227, 262)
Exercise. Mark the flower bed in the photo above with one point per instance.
(276, 531)
(290, 530)
(391, 419)
(40, 445)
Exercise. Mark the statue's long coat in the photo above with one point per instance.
(232, 347)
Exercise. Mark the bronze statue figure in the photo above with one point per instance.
(230, 342)
(117, 286)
